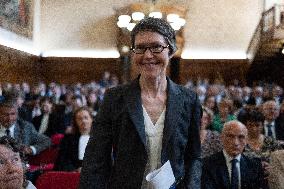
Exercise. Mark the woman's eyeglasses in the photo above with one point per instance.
(153, 49)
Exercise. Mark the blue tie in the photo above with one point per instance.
(8, 132)
(269, 130)
(234, 175)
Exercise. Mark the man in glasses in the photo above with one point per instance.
(146, 123)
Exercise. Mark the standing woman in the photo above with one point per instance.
(147, 122)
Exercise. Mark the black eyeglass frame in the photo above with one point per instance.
(151, 49)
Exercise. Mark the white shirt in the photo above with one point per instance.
(83, 141)
(36, 112)
(154, 136)
(30, 185)
(11, 129)
(272, 128)
(229, 165)
(43, 124)
(258, 101)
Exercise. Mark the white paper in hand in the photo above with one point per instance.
(162, 178)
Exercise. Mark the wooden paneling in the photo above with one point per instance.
(226, 70)
(16, 66)
(72, 70)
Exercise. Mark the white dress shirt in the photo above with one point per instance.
(11, 129)
(83, 141)
(272, 128)
(43, 124)
(229, 165)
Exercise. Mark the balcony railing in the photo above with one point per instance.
(271, 19)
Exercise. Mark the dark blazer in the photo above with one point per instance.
(25, 133)
(120, 124)
(215, 173)
(68, 154)
(279, 128)
(55, 124)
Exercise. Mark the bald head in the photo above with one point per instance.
(234, 137)
(233, 124)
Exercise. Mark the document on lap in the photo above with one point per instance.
(162, 178)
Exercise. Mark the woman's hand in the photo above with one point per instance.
(266, 168)
(79, 169)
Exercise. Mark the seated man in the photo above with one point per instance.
(230, 169)
(49, 122)
(273, 125)
(24, 132)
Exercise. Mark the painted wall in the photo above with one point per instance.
(215, 25)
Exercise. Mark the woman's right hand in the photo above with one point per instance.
(266, 168)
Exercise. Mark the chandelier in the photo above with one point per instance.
(128, 17)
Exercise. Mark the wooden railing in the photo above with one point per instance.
(271, 19)
(255, 42)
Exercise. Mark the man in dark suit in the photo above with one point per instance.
(273, 125)
(230, 169)
(49, 122)
(277, 93)
(24, 132)
(130, 112)
(257, 96)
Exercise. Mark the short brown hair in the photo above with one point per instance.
(156, 25)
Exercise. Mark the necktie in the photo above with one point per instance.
(7, 131)
(234, 175)
(269, 130)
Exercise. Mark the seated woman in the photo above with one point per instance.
(211, 103)
(210, 140)
(72, 147)
(12, 166)
(258, 145)
(224, 115)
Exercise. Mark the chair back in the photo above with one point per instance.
(58, 180)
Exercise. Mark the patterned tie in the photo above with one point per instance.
(7, 131)
(269, 130)
(234, 175)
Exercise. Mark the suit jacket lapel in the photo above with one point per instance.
(244, 171)
(134, 105)
(174, 104)
(17, 132)
(174, 108)
(224, 174)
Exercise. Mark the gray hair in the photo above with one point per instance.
(156, 25)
